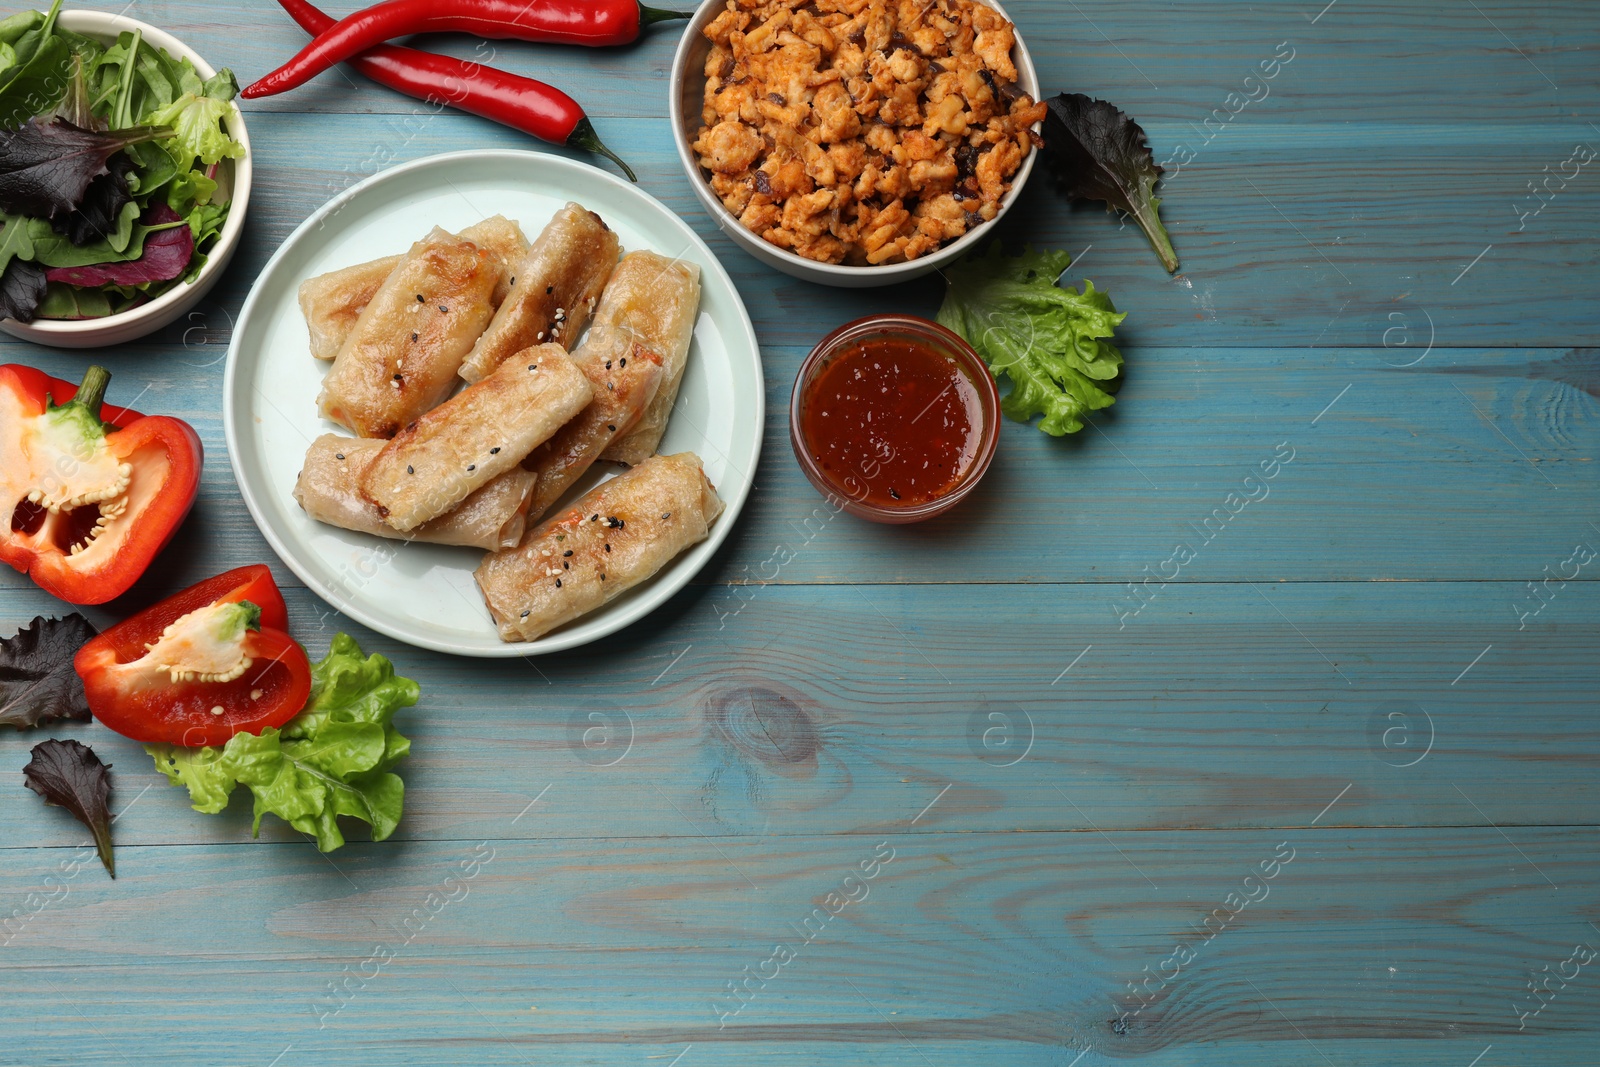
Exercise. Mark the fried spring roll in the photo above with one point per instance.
(402, 356)
(492, 517)
(504, 240)
(623, 388)
(615, 537)
(653, 301)
(332, 302)
(555, 288)
(478, 434)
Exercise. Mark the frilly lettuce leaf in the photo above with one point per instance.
(1051, 342)
(332, 759)
(196, 121)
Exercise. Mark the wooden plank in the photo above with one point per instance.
(961, 947)
(1425, 742)
(733, 712)
(1328, 250)
(1155, 60)
(1472, 465)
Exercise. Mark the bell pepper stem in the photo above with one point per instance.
(92, 391)
(649, 16)
(584, 137)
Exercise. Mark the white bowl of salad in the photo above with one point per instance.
(124, 177)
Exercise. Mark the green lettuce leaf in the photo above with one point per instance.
(334, 758)
(36, 84)
(39, 66)
(189, 190)
(1051, 342)
(16, 238)
(125, 243)
(62, 301)
(196, 119)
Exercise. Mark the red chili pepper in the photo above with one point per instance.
(509, 99)
(587, 22)
(201, 666)
(89, 493)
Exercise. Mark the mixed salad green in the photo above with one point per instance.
(109, 158)
(335, 758)
(1052, 341)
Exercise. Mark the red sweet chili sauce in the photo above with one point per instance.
(892, 421)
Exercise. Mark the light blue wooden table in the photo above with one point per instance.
(1363, 684)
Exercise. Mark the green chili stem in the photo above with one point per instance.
(584, 137)
(649, 16)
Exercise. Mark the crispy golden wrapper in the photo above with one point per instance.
(613, 538)
(556, 284)
(493, 516)
(623, 388)
(402, 356)
(478, 434)
(652, 301)
(332, 302)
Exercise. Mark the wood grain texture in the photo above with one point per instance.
(1375, 663)
(1338, 235)
(730, 713)
(963, 947)
(1481, 438)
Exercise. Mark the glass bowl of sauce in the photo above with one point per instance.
(894, 418)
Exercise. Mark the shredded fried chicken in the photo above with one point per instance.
(862, 131)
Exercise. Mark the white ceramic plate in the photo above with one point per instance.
(424, 594)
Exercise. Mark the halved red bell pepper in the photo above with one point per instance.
(89, 493)
(201, 666)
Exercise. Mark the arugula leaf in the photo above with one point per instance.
(69, 774)
(1051, 342)
(34, 86)
(45, 168)
(1099, 153)
(51, 249)
(332, 759)
(155, 168)
(16, 239)
(75, 106)
(37, 682)
(133, 78)
(21, 290)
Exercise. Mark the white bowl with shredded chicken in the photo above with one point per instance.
(686, 101)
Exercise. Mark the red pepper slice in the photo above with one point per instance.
(89, 493)
(596, 23)
(131, 688)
